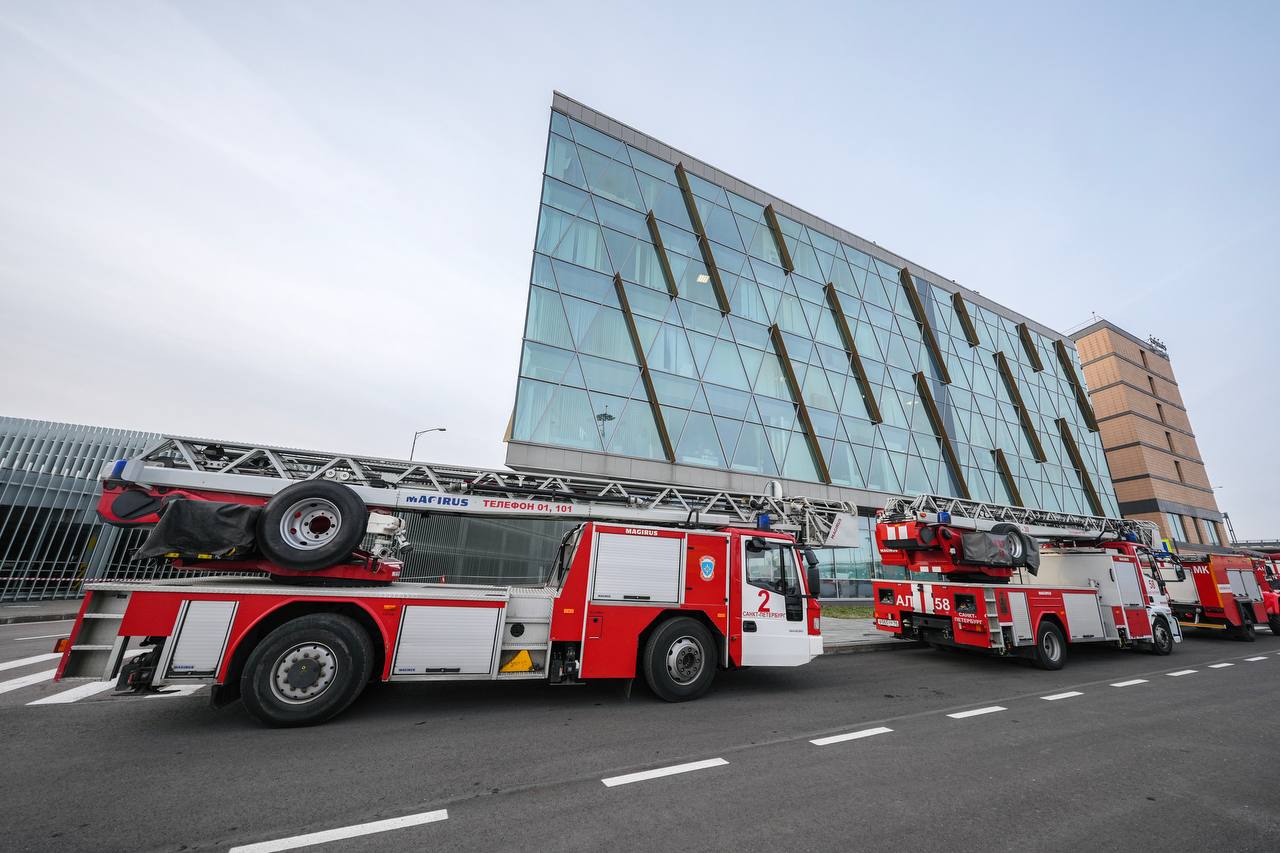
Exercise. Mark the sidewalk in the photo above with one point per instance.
(39, 611)
(847, 636)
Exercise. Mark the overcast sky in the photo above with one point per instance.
(311, 223)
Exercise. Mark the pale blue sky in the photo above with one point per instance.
(311, 223)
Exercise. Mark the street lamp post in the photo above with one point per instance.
(414, 446)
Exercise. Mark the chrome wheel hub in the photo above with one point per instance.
(685, 659)
(303, 672)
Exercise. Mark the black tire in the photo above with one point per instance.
(330, 520)
(298, 653)
(1050, 651)
(1016, 543)
(679, 660)
(1161, 638)
(1245, 633)
(1273, 622)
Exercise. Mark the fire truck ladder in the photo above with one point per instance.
(405, 486)
(1043, 524)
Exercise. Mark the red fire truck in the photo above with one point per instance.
(979, 578)
(669, 583)
(1266, 568)
(1222, 592)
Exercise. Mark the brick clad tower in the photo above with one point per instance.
(1155, 463)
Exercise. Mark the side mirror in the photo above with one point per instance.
(812, 580)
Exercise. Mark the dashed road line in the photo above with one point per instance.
(644, 775)
(75, 694)
(1219, 665)
(26, 680)
(1130, 682)
(355, 831)
(1180, 673)
(14, 664)
(1055, 697)
(827, 741)
(41, 637)
(1259, 657)
(960, 715)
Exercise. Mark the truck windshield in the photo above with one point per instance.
(772, 567)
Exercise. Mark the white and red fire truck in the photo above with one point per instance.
(669, 583)
(1019, 582)
(1228, 593)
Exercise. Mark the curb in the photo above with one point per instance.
(38, 617)
(873, 646)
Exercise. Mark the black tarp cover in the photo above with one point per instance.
(190, 528)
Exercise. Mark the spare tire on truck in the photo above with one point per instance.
(312, 525)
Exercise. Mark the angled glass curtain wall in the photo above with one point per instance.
(724, 396)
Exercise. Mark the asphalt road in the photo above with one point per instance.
(1181, 761)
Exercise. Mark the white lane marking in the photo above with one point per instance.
(75, 694)
(45, 622)
(826, 741)
(344, 832)
(1180, 672)
(181, 690)
(1130, 683)
(960, 715)
(1259, 657)
(645, 775)
(1219, 665)
(1055, 697)
(41, 637)
(14, 664)
(26, 680)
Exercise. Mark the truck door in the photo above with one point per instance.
(1129, 582)
(773, 606)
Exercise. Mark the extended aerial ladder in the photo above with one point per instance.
(1037, 523)
(389, 485)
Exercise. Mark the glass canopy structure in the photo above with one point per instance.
(677, 315)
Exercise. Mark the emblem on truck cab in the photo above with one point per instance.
(707, 567)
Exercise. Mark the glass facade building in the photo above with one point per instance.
(680, 317)
(51, 541)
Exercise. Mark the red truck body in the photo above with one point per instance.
(1025, 600)
(1222, 592)
(625, 600)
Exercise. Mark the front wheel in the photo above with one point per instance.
(1051, 647)
(307, 670)
(680, 660)
(1161, 638)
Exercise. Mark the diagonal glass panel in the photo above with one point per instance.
(611, 179)
(600, 142)
(752, 453)
(547, 323)
(699, 444)
(562, 162)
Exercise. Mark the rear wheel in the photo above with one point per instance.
(1273, 622)
(1051, 647)
(307, 670)
(1161, 638)
(680, 660)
